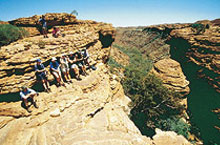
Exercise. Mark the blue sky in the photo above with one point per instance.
(117, 12)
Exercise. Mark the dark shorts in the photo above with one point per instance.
(41, 76)
(80, 64)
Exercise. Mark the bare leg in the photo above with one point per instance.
(26, 103)
(44, 84)
(45, 32)
(76, 71)
(34, 101)
(65, 76)
(68, 75)
(61, 80)
(47, 84)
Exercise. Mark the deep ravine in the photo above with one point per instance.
(203, 98)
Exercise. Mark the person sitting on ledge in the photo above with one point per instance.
(56, 32)
(80, 63)
(26, 95)
(85, 55)
(73, 66)
(41, 75)
(55, 71)
(65, 67)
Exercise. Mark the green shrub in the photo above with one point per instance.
(150, 100)
(136, 59)
(113, 64)
(10, 33)
(149, 96)
(175, 124)
(41, 44)
(200, 28)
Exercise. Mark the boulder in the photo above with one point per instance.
(55, 113)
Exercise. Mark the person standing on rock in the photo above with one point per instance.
(43, 23)
(41, 75)
(73, 66)
(65, 67)
(26, 95)
(55, 71)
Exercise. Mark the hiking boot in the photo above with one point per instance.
(47, 90)
(78, 78)
(84, 74)
(63, 85)
(58, 84)
(28, 110)
(68, 82)
(35, 105)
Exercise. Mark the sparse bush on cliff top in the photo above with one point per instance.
(200, 28)
(10, 33)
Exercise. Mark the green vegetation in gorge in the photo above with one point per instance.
(152, 104)
(175, 124)
(10, 33)
(113, 64)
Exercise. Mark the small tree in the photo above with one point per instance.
(74, 12)
(10, 33)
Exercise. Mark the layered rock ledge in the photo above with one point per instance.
(172, 76)
(17, 59)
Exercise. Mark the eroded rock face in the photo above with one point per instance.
(68, 116)
(91, 111)
(171, 74)
(18, 59)
(53, 19)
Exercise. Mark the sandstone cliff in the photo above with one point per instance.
(92, 111)
(196, 44)
(202, 41)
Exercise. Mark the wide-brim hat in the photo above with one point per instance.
(38, 60)
(62, 55)
(53, 59)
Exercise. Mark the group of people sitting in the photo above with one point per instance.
(75, 62)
